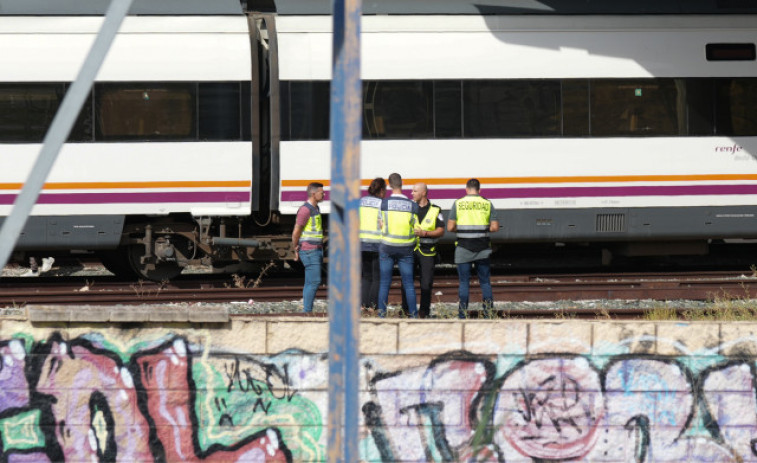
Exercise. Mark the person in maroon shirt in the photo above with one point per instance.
(307, 241)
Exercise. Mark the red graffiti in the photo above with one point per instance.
(165, 376)
(551, 408)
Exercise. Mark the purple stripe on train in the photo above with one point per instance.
(122, 198)
(575, 192)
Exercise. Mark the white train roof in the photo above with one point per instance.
(516, 7)
(99, 7)
(515, 47)
(147, 48)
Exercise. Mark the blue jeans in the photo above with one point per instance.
(405, 264)
(483, 268)
(312, 261)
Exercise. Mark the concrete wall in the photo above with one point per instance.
(255, 390)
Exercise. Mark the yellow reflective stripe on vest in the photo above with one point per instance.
(473, 217)
(370, 206)
(313, 231)
(429, 224)
(398, 228)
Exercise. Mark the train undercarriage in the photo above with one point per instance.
(159, 248)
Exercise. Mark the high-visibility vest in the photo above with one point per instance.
(428, 224)
(313, 231)
(473, 217)
(399, 219)
(370, 232)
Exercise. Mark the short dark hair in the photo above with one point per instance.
(473, 183)
(395, 180)
(313, 187)
(377, 185)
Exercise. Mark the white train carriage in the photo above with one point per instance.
(205, 124)
(628, 129)
(162, 149)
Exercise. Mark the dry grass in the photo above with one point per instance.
(721, 307)
(241, 281)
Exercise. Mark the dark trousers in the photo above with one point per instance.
(371, 276)
(425, 266)
(464, 270)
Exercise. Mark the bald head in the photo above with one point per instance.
(420, 193)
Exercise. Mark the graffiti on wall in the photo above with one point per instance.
(77, 401)
(636, 408)
(173, 400)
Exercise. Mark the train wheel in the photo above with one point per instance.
(163, 271)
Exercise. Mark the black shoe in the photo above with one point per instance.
(462, 311)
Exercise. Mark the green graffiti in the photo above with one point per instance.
(21, 432)
(227, 414)
(126, 350)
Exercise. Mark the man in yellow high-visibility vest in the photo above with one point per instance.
(307, 241)
(430, 228)
(370, 239)
(398, 219)
(473, 217)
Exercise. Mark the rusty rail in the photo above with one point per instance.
(699, 286)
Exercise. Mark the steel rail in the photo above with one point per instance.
(703, 288)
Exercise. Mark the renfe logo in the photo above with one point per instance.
(729, 149)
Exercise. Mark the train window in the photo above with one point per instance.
(27, 110)
(575, 108)
(511, 108)
(246, 110)
(735, 103)
(448, 109)
(146, 111)
(284, 111)
(219, 111)
(84, 127)
(398, 109)
(645, 107)
(309, 110)
(531, 108)
(700, 102)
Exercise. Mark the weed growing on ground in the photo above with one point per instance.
(720, 307)
(661, 313)
(726, 307)
(143, 291)
(237, 281)
(139, 288)
(603, 313)
(263, 272)
(241, 281)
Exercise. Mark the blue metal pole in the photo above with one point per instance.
(344, 245)
(60, 128)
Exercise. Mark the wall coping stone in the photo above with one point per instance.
(123, 314)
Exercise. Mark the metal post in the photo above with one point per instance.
(60, 128)
(344, 245)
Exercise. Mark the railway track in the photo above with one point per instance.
(692, 286)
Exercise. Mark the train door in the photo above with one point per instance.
(264, 102)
